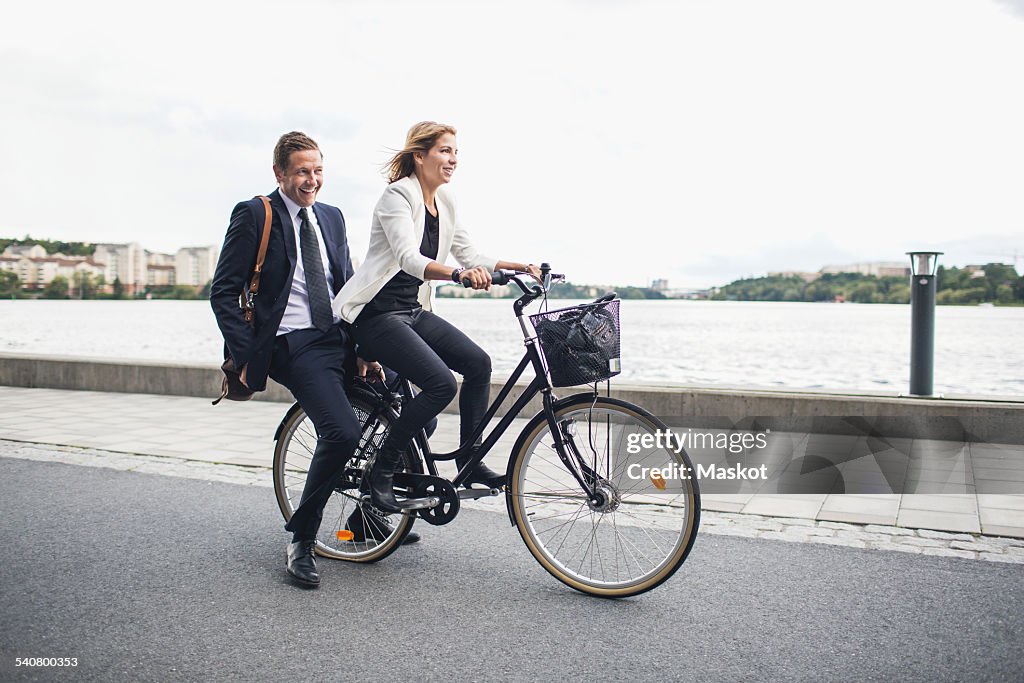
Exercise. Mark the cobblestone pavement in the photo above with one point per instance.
(788, 529)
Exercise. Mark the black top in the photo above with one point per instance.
(399, 294)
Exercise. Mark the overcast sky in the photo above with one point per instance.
(696, 141)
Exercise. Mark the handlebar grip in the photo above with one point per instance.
(498, 277)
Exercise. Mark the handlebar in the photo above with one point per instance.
(532, 291)
(504, 277)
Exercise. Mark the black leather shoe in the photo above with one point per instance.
(481, 474)
(381, 481)
(378, 525)
(302, 564)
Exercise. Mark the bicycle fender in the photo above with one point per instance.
(287, 416)
(368, 394)
(573, 399)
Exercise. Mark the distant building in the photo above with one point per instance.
(195, 265)
(135, 267)
(802, 274)
(161, 269)
(124, 262)
(161, 276)
(36, 269)
(155, 258)
(27, 250)
(684, 293)
(20, 265)
(976, 271)
(878, 269)
(660, 285)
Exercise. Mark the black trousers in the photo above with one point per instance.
(313, 365)
(425, 348)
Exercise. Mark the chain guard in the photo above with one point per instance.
(427, 486)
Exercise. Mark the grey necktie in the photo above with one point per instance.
(316, 281)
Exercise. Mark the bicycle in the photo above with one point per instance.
(571, 487)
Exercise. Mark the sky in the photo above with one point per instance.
(698, 141)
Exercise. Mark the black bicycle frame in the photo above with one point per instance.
(564, 446)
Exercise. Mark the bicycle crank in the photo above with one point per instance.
(413, 503)
(425, 486)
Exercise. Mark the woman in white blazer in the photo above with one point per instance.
(415, 226)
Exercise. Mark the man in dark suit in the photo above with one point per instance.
(295, 337)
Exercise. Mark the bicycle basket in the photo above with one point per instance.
(580, 344)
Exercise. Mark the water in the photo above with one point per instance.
(717, 343)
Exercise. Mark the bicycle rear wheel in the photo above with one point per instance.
(373, 537)
(642, 528)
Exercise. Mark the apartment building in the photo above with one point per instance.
(195, 265)
(35, 272)
(135, 267)
(124, 262)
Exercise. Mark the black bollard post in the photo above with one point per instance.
(923, 286)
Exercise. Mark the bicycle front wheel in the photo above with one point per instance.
(642, 527)
(350, 530)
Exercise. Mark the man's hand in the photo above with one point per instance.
(371, 371)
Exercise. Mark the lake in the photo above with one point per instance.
(978, 350)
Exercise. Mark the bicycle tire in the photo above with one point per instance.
(557, 523)
(293, 452)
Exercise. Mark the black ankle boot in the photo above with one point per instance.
(481, 474)
(381, 481)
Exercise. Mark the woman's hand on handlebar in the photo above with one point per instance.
(534, 272)
(479, 278)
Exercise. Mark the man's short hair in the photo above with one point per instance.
(292, 142)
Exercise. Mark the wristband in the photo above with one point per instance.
(457, 275)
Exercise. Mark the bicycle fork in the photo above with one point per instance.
(568, 453)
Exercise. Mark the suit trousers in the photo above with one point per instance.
(425, 348)
(313, 365)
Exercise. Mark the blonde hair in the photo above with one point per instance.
(421, 138)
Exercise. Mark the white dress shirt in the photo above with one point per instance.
(297, 315)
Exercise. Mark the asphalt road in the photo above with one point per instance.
(145, 577)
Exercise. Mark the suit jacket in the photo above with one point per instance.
(252, 346)
(395, 235)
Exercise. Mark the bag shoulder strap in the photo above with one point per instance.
(254, 285)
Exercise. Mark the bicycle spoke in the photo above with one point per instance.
(633, 537)
(293, 456)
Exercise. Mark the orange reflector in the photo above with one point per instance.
(346, 535)
(657, 480)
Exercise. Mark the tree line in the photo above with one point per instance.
(994, 283)
(51, 246)
(563, 290)
(88, 286)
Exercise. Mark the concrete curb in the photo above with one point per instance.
(997, 421)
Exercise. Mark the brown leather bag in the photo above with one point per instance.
(231, 386)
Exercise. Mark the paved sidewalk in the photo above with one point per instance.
(242, 434)
(790, 529)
